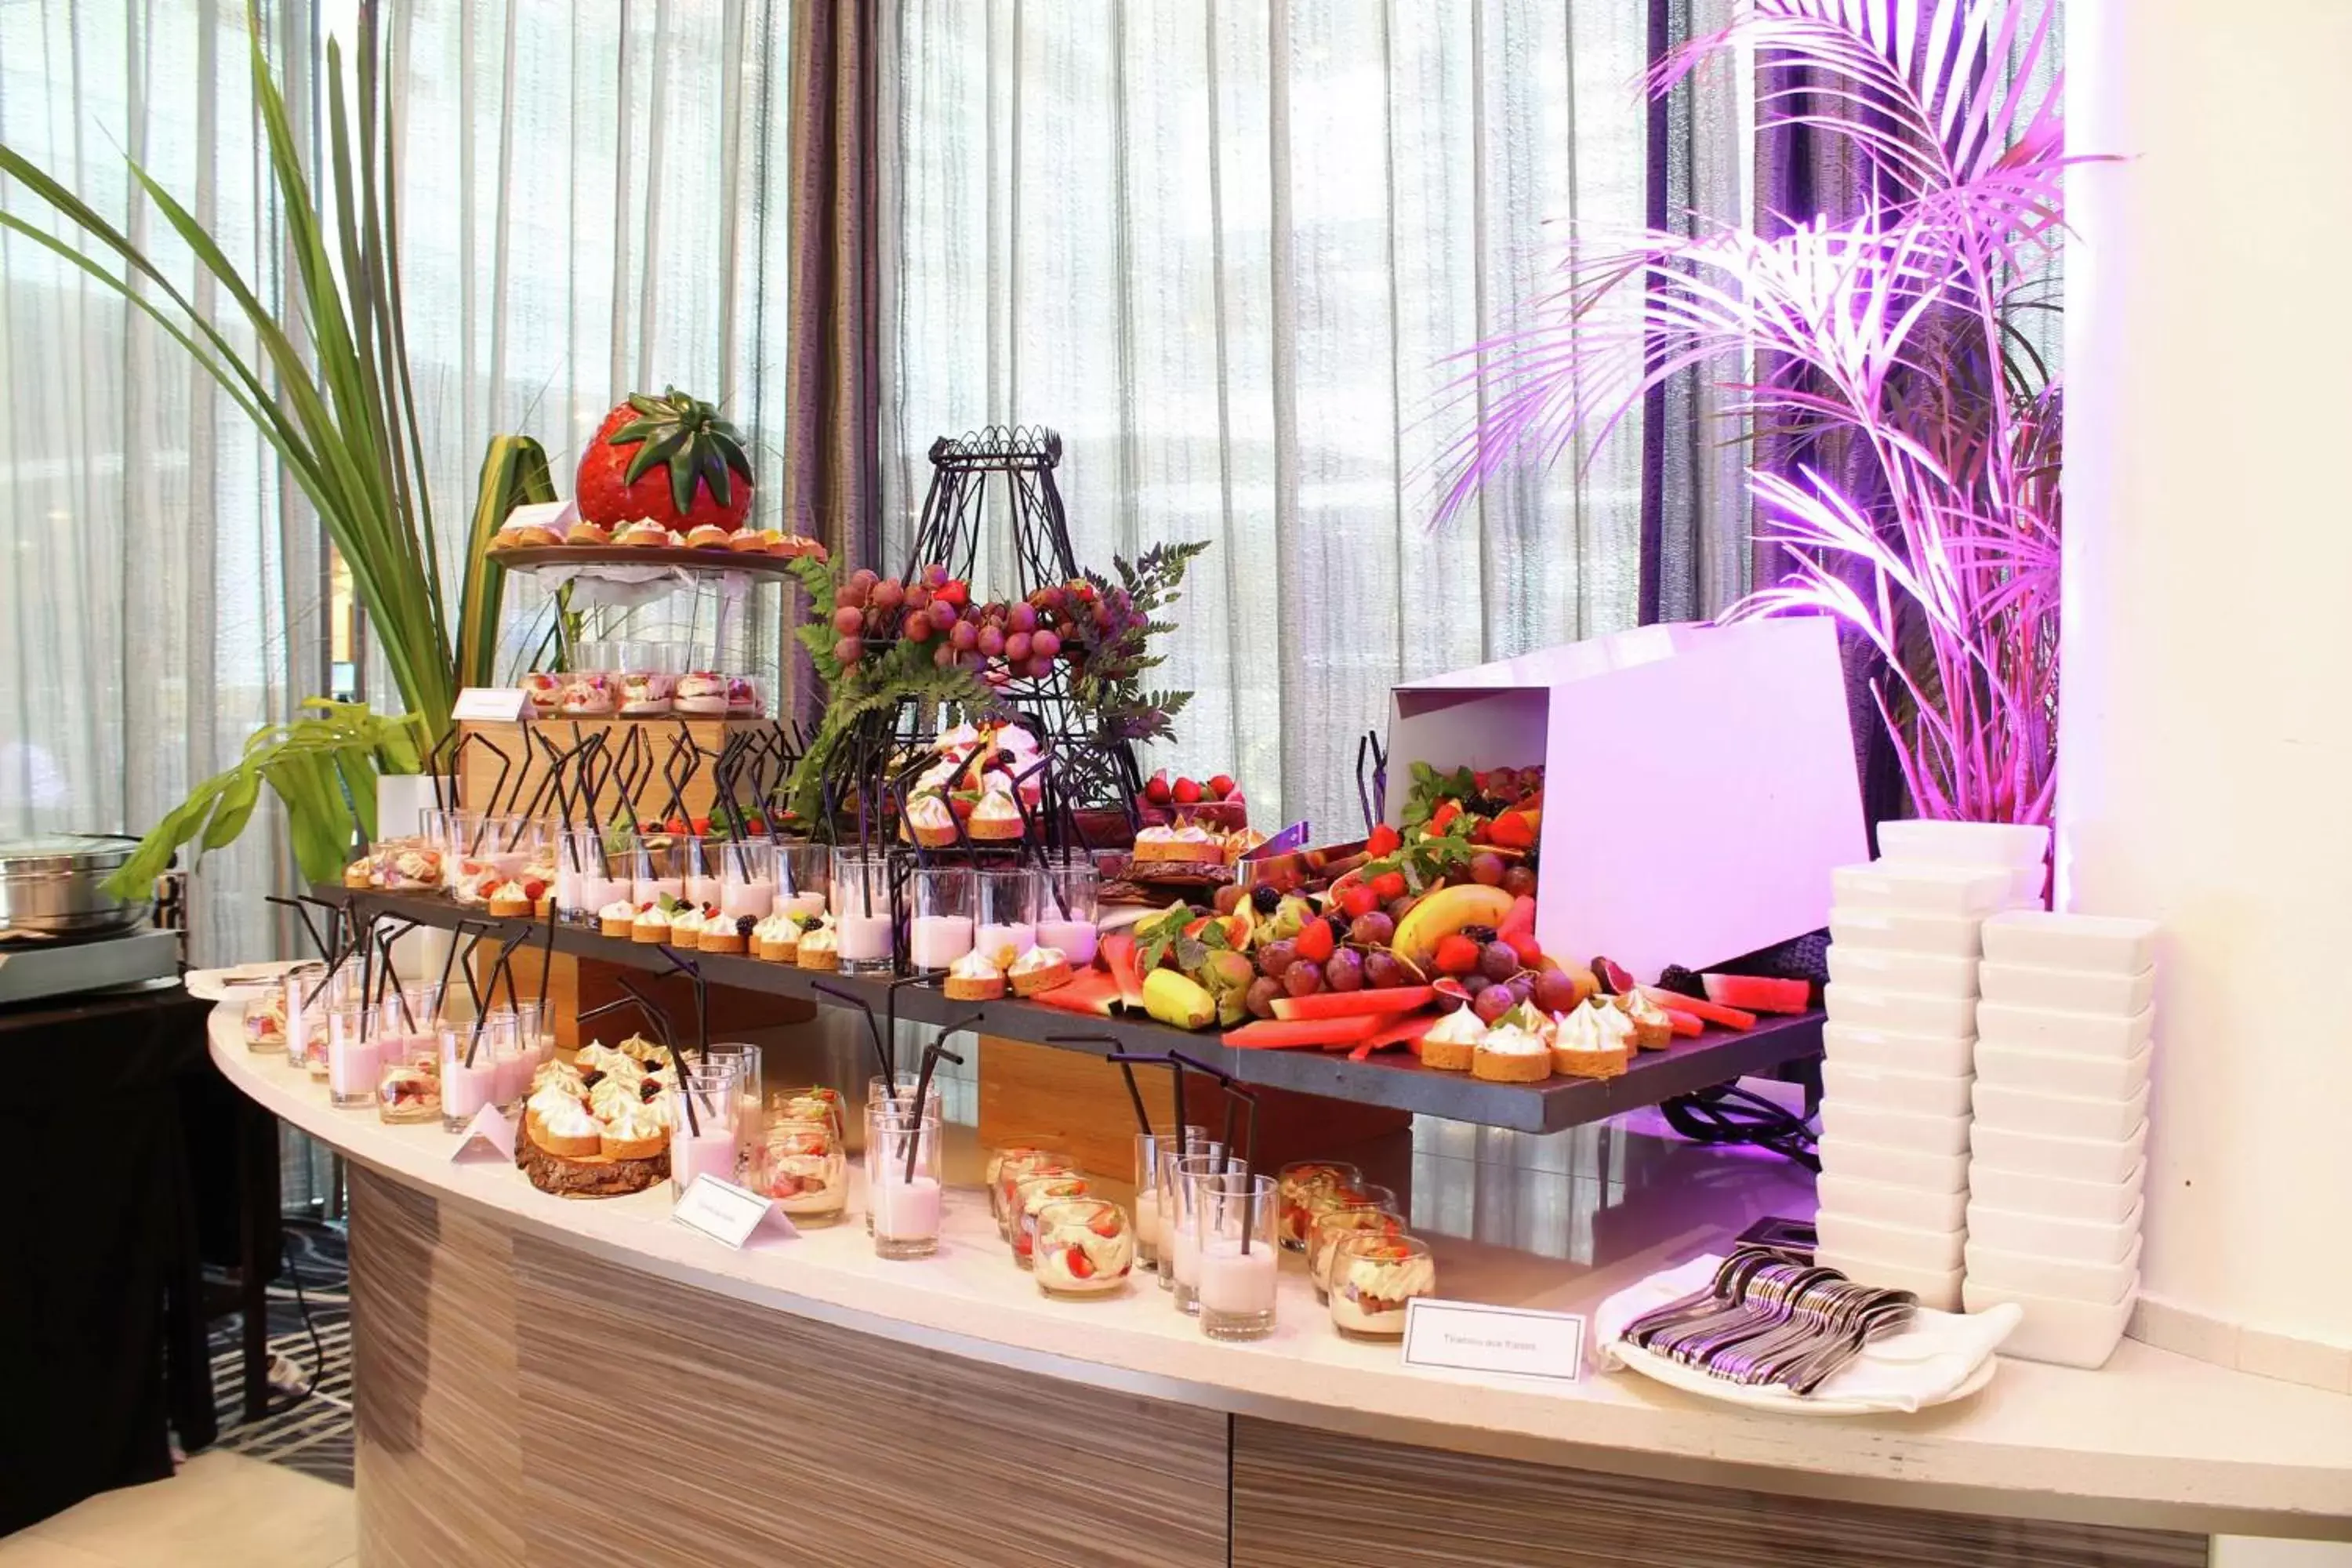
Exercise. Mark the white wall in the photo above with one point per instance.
(2207, 738)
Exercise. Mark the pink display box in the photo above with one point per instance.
(1698, 782)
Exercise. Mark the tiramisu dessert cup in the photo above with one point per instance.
(1373, 1275)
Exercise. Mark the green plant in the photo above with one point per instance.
(329, 391)
(1110, 649)
(324, 768)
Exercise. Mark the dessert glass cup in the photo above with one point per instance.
(408, 1088)
(1317, 1201)
(861, 909)
(354, 1057)
(1010, 1168)
(940, 930)
(1184, 1232)
(747, 878)
(903, 1199)
(470, 1066)
(1297, 1180)
(751, 1103)
(1084, 1248)
(598, 873)
(656, 870)
(1328, 1226)
(802, 1167)
(512, 843)
(1150, 1149)
(302, 1015)
(1236, 1269)
(703, 865)
(1033, 1194)
(645, 677)
(1196, 1140)
(1004, 905)
(803, 879)
(1373, 1275)
(808, 1102)
(1066, 908)
(703, 1143)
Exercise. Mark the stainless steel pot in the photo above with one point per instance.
(50, 887)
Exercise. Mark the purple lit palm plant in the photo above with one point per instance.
(1884, 348)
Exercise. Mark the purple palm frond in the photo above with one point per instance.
(1891, 335)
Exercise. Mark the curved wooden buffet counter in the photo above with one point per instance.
(542, 1381)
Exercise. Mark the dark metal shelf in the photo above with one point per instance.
(1395, 1080)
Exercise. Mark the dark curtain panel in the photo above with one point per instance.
(833, 482)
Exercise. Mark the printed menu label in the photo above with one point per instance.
(729, 1214)
(1465, 1336)
(489, 1136)
(491, 705)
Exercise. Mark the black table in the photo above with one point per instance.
(101, 1320)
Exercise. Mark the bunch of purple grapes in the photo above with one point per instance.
(999, 640)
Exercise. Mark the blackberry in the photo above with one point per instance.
(1266, 898)
(743, 924)
(1675, 978)
(592, 1078)
(648, 1091)
(1482, 935)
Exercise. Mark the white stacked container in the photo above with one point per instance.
(2061, 1104)
(1898, 1053)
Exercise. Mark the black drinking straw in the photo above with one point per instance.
(1126, 1068)
(460, 929)
(392, 976)
(693, 972)
(931, 1054)
(490, 992)
(873, 1031)
(1249, 1166)
(341, 955)
(308, 925)
(661, 1026)
(546, 965)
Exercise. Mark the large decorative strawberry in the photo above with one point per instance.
(670, 458)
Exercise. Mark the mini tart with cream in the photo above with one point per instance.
(1452, 1042)
(652, 925)
(639, 1132)
(360, 873)
(1512, 1051)
(563, 1126)
(701, 691)
(996, 816)
(685, 927)
(929, 821)
(820, 946)
(1652, 1030)
(510, 898)
(582, 532)
(726, 933)
(1039, 969)
(644, 531)
(1186, 843)
(752, 541)
(518, 534)
(707, 536)
(617, 918)
(974, 977)
(777, 939)
(1594, 1040)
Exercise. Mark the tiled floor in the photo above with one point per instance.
(222, 1510)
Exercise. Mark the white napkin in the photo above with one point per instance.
(1938, 1356)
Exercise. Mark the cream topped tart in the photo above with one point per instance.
(974, 977)
(996, 816)
(1039, 969)
(776, 939)
(820, 946)
(1594, 1040)
(1511, 1052)
(615, 917)
(1452, 1042)
(652, 925)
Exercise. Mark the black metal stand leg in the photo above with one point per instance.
(257, 1233)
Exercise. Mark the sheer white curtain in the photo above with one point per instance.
(592, 201)
(1228, 247)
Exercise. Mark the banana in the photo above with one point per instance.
(1444, 912)
(1176, 998)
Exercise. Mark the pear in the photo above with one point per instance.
(1178, 999)
(1227, 977)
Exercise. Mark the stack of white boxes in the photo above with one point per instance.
(1899, 1048)
(2061, 1107)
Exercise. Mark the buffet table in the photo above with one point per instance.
(541, 1380)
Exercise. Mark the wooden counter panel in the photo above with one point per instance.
(439, 1465)
(769, 1440)
(1421, 1507)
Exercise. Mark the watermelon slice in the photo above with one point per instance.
(1348, 1003)
(1118, 949)
(1406, 1033)
(1089, 990)
(1699, 1007)
(1757, 993)
(1277, 1034)
(1685, 1023)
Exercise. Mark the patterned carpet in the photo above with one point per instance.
(311, 1434)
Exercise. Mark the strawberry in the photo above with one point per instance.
(1157, 792)
(1526, 946)
(1447, 810)
(533, 890)
(1221, 785)
(1512, 830)
(1357, 898)
(1105, 1223)
(671, 459)
(675, 824)
(1383, 840)
(1456, 955)
(1315, 940)
(701, 825)
(1080, 1266)
(1186, 792)
(1389, 885)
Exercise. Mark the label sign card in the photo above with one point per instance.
(730, 1214)
(489, 1136)
(491, 705)
(1465, 1336)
